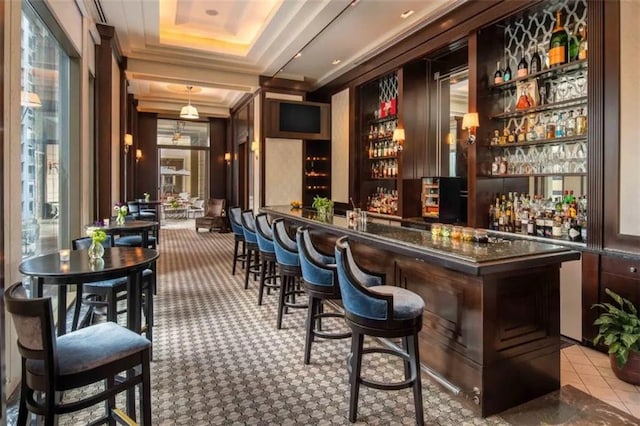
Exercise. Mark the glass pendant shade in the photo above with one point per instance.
(189, 112)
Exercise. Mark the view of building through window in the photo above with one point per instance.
(183, 153)
(44, 84)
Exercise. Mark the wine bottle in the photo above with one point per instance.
(558, 45)
(574, 43)
(507, 73)
(583, 46)
(497, 77)
(536, 63)
(523, 68)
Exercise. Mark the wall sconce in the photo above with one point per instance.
(398, 136)
(254, 148)
(227, 157)
(470, 121)
(138, 155)
(128, 141)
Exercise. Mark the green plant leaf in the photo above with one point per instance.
(629, 339)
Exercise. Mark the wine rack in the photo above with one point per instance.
(316, 179)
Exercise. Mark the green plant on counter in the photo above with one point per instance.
(619, 328)
(322, 203)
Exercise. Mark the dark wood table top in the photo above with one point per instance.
(117, 261)
(128, 225)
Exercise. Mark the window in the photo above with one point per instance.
(184, 159)
(44, 103)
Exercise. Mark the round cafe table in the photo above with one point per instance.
(143, 227)
(117, 262)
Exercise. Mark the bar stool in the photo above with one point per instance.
(268, 276)
(319, 277)
(374, 309)
(238, 235)
(251, 244)
(288, 269)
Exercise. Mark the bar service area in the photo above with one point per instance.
(486, 175)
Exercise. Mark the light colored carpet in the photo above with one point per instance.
(219, 360)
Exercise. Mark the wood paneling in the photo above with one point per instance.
(414, 119)
(104, 118)
(146, 170)
(217, 165)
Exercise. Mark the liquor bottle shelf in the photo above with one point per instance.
(383, 119)
(384, 178)
(317, 158)
(316, 175)
(549, 72)
(378, 139)
(551, 141)
(386, 157)
(537, 175)
(582, 100)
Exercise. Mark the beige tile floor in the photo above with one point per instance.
(589, 371)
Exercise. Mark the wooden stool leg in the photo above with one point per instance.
(246, 271)
(110, 403)
(284, 281)
(145, 391)
(263, 273)
(407, 363)
(356, 360)
(310, 325)
(417, 384)
(235, 257)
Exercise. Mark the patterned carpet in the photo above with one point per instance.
(219, 360)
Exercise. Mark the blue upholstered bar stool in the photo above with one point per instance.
(251, 245)
(320, 281)
(268, 276)
(288, 269)
(374, 309)
(235, 214)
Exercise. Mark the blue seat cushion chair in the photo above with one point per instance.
(320, 282)
(268, 275)
(375, 309)
(248, 222)
(288, 262)
(238, 236)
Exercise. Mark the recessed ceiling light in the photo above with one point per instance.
(281, 69)
(407, 13)
(211, 12)
(298, 54)
(336, 61)
(354, 2)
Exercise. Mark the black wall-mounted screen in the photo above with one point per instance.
(299, 118)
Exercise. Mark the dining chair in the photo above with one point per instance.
(107, 293)
(52, 365)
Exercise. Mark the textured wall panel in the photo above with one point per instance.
(283, 168)
(629, 107)
(340, 147)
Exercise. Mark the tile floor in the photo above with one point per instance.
(589, 371)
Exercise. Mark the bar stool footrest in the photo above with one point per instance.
(380, 385)
(330, 335)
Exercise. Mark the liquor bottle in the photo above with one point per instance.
(558, 45)
(523, 68)
(583, 46)
(536, 63)
(498, 77)
(507, 72)
(574, 43)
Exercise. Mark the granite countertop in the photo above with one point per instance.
(465, 256)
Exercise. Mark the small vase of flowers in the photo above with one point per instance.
(121, 211)
(96, 249)
(147, 197)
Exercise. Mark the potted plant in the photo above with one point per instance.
(619, 330)
(324, 207)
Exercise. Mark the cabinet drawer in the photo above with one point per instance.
(629, 268)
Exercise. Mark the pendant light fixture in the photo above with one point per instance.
(189, 111)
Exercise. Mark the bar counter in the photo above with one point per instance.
(491, 325)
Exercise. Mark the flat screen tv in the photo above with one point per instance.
(297, 120)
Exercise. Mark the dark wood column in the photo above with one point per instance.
(104, 119)
(145, 137)
(217, 164)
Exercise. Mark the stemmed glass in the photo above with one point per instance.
(563, 89)
(581, 83)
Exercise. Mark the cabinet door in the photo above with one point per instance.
(622, 277)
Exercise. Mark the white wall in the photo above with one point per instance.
(629, 107)
(283, 165)
(340, 147)
(283, 162)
